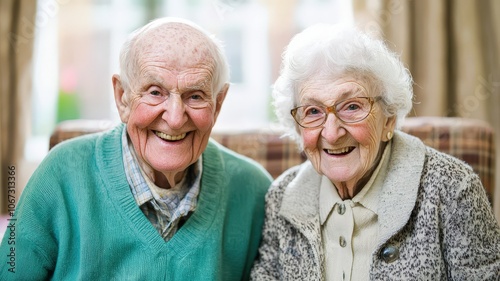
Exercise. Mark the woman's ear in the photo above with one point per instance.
(389, 126)
(121, 100)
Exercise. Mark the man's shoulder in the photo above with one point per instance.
(82, 145)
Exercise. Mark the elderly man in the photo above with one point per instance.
(153, 198)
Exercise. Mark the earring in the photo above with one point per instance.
(389, 135)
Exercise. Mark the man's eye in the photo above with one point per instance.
(195, 97)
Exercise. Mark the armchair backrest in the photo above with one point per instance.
(467, 139)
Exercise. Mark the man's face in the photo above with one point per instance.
(171, 108)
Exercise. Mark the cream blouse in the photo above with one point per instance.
(349, 227)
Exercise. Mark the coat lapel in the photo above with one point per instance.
(300, 206)
(401, 185)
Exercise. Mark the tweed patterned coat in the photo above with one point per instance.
(435, 222)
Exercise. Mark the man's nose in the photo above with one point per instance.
(174, 111)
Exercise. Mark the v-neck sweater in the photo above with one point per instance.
(77, 219)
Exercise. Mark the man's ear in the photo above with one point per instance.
(220, 99)
(120, 99)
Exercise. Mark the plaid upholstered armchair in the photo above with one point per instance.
(467, 139)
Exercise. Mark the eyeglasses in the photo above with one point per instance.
(195, 99)
(350, 110)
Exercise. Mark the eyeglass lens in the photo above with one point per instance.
(348, 111)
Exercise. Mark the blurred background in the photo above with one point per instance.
(58, 56)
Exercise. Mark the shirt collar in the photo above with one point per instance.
(138, 185)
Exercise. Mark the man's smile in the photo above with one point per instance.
(166, 137)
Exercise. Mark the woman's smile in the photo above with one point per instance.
(340, 152)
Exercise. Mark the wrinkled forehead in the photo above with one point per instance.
(332, 85)
(175, 43)
(346, 83)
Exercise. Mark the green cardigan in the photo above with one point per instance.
(77, 220)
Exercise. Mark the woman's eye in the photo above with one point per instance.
(349, 106)
(312, 111)
(352, 106)
(155, 93)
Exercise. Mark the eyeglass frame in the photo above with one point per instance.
(332, 109)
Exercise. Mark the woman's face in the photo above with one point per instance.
(345, 153)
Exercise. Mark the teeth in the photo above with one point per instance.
(170, 137)
(338, 151)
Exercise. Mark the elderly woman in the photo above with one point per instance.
(371, 202)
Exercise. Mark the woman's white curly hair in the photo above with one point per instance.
(336, 50)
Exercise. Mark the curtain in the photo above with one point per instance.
(17, 27)
(452, 49)
(282, 26)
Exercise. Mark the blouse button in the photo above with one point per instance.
(342, 241)
(389, 253)
(341, 209)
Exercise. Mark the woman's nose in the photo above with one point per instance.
(332, 128)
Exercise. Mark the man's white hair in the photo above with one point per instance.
(129, 54)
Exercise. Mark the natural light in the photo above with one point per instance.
(77, 46)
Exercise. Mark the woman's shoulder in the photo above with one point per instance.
(434, 159)
(293, 174)
(438, 162)
(436, 165)
(451, 177)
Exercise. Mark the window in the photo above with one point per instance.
(78, 42)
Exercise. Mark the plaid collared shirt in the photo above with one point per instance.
(166, 209)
